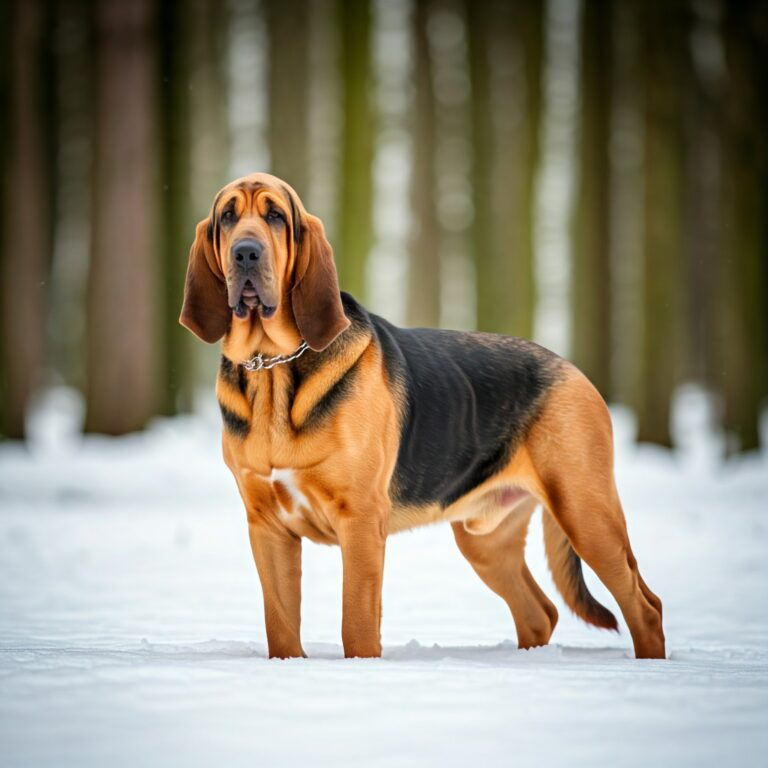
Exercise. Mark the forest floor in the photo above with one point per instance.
(131, 629)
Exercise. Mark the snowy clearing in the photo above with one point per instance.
(131, 630)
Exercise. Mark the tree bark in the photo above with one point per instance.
(354, 231)
(704, 223)
(591, 275)
(665, 46)
(504, 53)
(124, 350)
(743, 344)
(529, 23)
(453, 164)
(71, 123)
(288, 35)
(26, 227)
(178, 21)
(423, 305)
(492, 305)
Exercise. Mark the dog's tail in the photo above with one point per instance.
(565, 565)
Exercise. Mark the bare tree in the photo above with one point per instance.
(288, 33)
(354, 230)
(26, 219)
(492, 314)
(181, 24)
(528, 25)
(124, 350)
(665, 28)
(423, 308)
(71, 123)
(743, 342)
(504, 52)
(591, 275)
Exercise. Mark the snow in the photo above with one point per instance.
(131, 629)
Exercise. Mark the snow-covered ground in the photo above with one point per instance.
(131, 630)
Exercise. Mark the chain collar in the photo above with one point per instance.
(261, 363)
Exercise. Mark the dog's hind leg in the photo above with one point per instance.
(498, 558)
(571, 448)
(602, 542)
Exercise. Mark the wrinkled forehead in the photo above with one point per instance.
(257, 192)
(248, 189)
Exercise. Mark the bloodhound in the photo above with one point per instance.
(342, 428)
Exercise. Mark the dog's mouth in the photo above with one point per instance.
(249, 301)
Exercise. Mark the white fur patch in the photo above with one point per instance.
(287, 479)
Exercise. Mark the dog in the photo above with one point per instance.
(342, 428)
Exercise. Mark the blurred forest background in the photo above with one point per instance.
(593, 175)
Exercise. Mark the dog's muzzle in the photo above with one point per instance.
(250, 284)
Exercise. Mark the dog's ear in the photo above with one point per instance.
(205, 310)
(315, 295)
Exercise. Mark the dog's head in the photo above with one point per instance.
(260, 261)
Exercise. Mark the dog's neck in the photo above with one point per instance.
(253, 335)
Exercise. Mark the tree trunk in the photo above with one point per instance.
(423, 306)
(124, 320)
(665, 45)
(72, 85)
(743, 344)
(355, 228)
(626, 202)
(453, 166)
(288, 35)
(492, 303)
(504, 51)
(704, 192)
(177, 22)
(26, 227)
(215, 140)
(528, 17)
(591, 272)
(323, 114)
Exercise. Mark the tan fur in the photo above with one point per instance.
(498, 558)
(571, 449)
(331, 483)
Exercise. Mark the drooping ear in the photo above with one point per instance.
(205, 310)
(315, 296)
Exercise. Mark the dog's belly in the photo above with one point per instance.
(481, 513)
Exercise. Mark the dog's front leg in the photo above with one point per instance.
(277, 554)
(362, 549)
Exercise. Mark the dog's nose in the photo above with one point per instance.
(245, 253)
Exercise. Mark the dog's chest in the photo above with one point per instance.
(256, 412)
(289, 495)
(291, 500)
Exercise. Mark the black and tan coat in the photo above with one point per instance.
(375, 429)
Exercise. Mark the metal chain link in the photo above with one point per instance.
(261, 363)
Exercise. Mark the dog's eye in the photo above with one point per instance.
(274, 215)
(228, 216)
